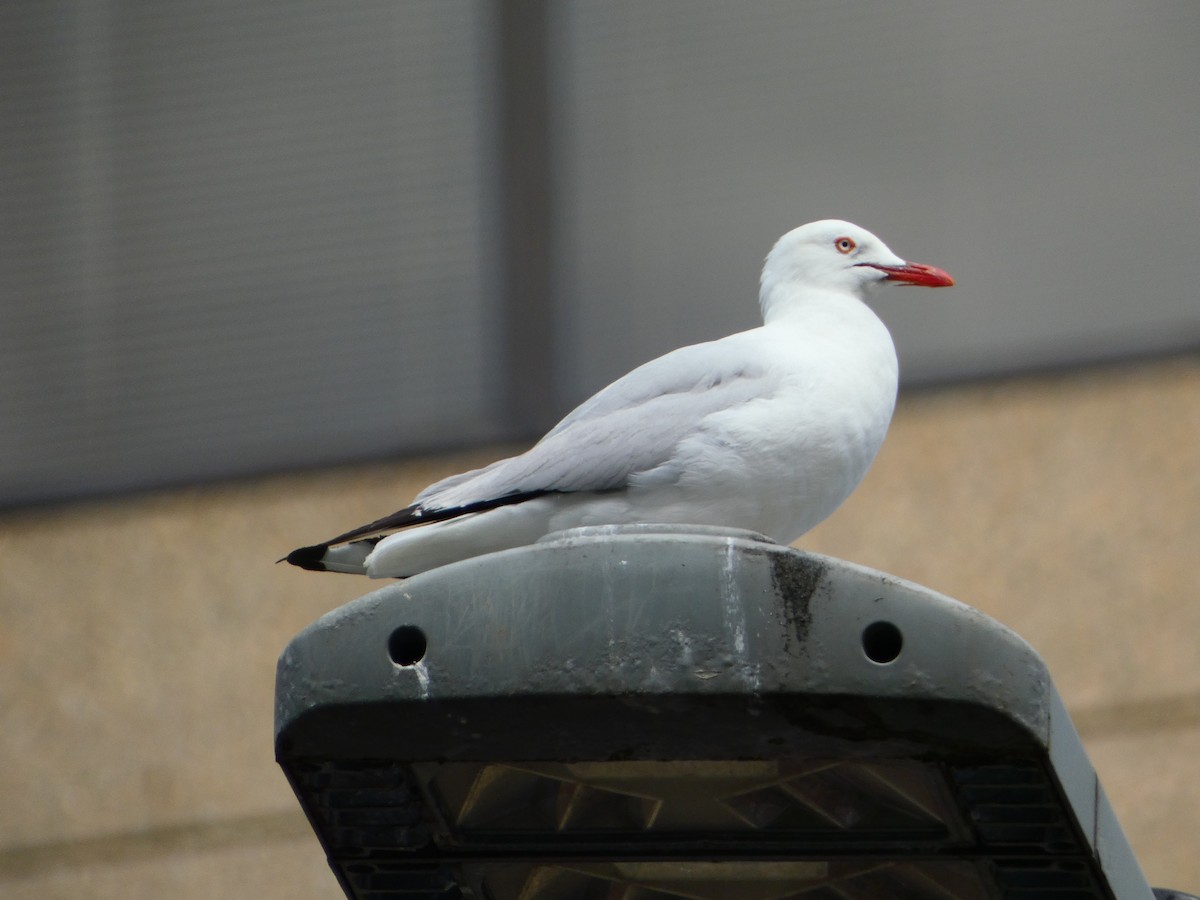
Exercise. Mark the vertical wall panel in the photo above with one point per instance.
(1044, 154)
(247, 236)
(241, 237)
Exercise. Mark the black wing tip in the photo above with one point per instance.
(309, 558)
(312, 558)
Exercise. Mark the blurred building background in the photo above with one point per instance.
(267, 269)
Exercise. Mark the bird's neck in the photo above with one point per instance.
(798, 303)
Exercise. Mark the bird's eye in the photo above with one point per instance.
(844, 244)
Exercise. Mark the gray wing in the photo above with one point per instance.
(632, 426)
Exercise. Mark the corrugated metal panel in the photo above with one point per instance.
(1044, 154)
(239, 237)
(242, 236)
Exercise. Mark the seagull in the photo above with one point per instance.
(768, 430)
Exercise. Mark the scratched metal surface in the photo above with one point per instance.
(652, 642)
(639, 613)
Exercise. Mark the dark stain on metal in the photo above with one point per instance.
(796, 578)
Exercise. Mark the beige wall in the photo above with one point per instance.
(138, 636)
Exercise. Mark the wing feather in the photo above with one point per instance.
(634, 425)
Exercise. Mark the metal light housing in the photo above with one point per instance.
(655, 713)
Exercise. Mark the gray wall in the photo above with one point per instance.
(1046, 154)
(239, 237)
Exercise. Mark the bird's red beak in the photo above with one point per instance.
(916, 273)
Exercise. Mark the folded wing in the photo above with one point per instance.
(633, 426)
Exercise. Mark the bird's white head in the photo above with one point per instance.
(833, 256)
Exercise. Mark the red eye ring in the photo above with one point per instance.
(845, 245)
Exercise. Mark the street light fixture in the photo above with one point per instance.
(654, 712)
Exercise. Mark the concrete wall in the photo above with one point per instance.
(138, 636)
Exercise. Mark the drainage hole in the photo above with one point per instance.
(407, 645)
(882, 642)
